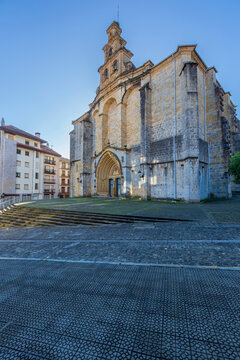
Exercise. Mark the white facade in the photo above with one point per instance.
(64, 176)
(27, 166)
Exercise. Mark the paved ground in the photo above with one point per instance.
(162, 243)
(55, 310)
(74, 294)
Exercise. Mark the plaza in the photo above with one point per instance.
(145, 290)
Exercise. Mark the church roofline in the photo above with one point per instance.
(179, 48)
(74, 122)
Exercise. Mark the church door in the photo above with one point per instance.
(118, 185)
(111, 187)
(108, 175)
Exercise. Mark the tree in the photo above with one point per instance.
(234, 167)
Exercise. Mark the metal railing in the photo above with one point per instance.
(47, 171)
(8, 201)
(48, 161)
(47, 181)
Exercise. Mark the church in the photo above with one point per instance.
(163, 131)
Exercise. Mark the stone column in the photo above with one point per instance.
(145, 108)
(218, 137)
(190, 116)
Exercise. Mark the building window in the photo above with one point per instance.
(26, 164)
(26, 175)
(115, 66)
(26, 142)
(26, 153)
(17, 186)
(35, 144)
(36, 186)
(18, 162)
(110, 52)
(106, 73)
(37, 154)
(26, 186)
(36, 175)
(18, 174)
(18, 151)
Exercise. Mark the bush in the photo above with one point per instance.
(234, 167)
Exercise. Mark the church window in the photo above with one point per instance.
(110, 52)
(106, 73)
(115, 66)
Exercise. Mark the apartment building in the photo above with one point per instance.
(64, 175)
(28, 166)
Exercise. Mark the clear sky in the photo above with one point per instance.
(50, 51)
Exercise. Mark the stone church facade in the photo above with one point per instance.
(162, 131)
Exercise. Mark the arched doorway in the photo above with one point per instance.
(109, 175)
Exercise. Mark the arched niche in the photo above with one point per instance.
(97, 131)
(111, 124)
(108, 169)
(131, 116)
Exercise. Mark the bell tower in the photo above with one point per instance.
(117, 59)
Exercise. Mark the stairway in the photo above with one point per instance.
(30, 217)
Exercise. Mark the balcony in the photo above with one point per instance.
(48, 171)
(47, 181)
(49, 192)
(50, 162)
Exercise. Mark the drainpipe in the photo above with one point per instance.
(175, 132)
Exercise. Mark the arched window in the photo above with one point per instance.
(106, 73)
(115, 66)
(110, 52)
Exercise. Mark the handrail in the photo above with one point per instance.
(4, 203)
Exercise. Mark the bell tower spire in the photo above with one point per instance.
(117, 59)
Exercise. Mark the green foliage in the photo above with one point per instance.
(234, 167)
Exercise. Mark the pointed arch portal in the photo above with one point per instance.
(108, 175)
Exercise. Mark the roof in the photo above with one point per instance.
(15, 131)
(44, 149)
(28, 147)
(63, 159)
(47, 150)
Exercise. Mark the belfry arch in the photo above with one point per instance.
(109, 175)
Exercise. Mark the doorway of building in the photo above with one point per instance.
(109, 175)
(118, 187)
(110, 188)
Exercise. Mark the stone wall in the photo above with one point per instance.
(217, 128)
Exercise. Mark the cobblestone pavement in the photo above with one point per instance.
(72, 297)
(185, 244)
(59, 310)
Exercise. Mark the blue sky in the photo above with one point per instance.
(51, 50)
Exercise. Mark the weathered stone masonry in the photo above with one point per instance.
(164, 131)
